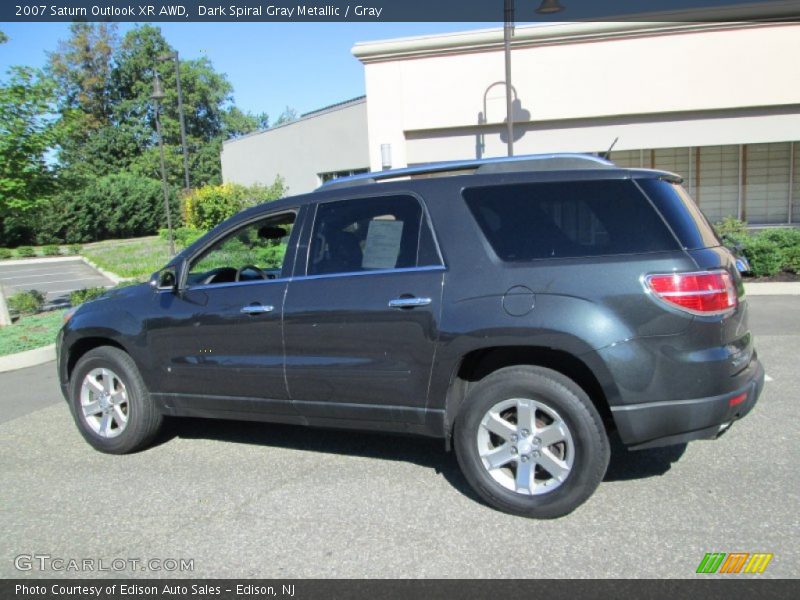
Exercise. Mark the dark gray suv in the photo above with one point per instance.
(522, 309)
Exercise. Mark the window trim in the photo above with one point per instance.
(293, 239)
(386, 194)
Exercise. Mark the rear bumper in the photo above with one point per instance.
(675, 422)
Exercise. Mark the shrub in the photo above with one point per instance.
(731, 231)
(121, 205)
(5, 253)
(26, 303)
(51, 250)
(791, 259)
(782, 237)
(25, 251)
(765, 257)
(74, 249)
(210, 205)
(80, 296)
(184, 236)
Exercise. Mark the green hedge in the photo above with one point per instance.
(118, 206)
(769, 251)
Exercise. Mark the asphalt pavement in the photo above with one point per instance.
(259, 500)
(55, 278)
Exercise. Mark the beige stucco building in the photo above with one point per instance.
(323, 144)
(718, 103)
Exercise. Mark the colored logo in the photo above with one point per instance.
(734, 562)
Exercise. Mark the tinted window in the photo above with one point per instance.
(370, 234)
(682, 213)
(250, 253)
(567, 219)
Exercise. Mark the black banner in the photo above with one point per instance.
(396, 10)
(321, 589)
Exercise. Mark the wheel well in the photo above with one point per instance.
(83, 346)
(479, 363)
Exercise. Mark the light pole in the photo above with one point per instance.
(547, 7)
(158, 95)
(174, 56)
(508, 31)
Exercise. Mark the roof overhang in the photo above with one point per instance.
(581, 31)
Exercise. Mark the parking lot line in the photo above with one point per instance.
(78, 272)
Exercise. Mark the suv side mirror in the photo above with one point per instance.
(165, 279)
(737, 249)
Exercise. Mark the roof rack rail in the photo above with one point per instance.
(512, 164)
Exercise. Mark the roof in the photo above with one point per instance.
(645, 24)
(335, 107)
(306, 116)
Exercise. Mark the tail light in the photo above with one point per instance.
(700, 293)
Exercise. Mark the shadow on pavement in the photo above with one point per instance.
(426, 452)
(639, 464)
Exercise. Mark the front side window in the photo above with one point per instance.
(370, 234)
(251, 253)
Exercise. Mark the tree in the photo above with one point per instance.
(287, 116)
(108, 119)
(81, 70)
(25, 137)
(3, 38)
(238, 123)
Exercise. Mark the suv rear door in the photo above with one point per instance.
(361, 320)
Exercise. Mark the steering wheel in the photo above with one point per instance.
(258, 272)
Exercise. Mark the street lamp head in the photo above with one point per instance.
(158, 93)
(548, 7)
(169, 56)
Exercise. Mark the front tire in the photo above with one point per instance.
(530, 442)
(110, 402)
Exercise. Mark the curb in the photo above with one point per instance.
(107, 274)
(777, 288)
(38, 261)
(29, 358)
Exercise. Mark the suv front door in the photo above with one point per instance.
(218, 342)
(361, 325)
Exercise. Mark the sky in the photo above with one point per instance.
(305, 66)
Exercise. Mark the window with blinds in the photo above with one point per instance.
(717, 191)
(711, 175)
(679, 161)
(767, 177)
(627, 159)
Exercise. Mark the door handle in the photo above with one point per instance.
(257, 309)
(409, 302)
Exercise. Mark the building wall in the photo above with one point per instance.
(721, 98)
(329, 141)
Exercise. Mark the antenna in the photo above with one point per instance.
(607, 153)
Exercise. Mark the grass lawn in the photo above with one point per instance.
(137, 257)
(30, 332)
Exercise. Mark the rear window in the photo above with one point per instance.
(682, 214)
(568, 219)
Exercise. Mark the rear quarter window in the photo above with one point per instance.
(568, 219)
(682, 213)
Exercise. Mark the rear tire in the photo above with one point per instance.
(110, 402)
(530, 442)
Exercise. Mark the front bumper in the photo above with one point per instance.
(675, 422)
